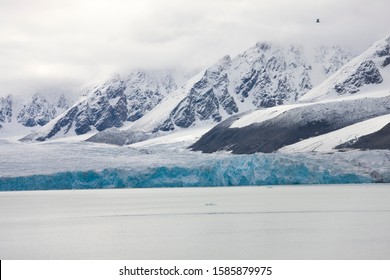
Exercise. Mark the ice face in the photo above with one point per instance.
(86, 165)
(175, 177)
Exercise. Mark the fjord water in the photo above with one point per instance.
(285, 222)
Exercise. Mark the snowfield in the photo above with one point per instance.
(311, 222)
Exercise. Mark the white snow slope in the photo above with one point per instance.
(368, 72)
(327, 142)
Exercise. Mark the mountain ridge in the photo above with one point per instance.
(285, 93)
(346, 98)
(17, 113)
(110, 104)
(263, 76)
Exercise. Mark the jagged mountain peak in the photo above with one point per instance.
(332, 58)
(224, 61)
(265, 75)
(38, 112)
(5, 109)
(20, 113)
(381, 47)
(366, 72)
(264, 46)
(351, 106)
(114, 102)
(63, 102)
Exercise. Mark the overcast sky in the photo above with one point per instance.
(67, 43)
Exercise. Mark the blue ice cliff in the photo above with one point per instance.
(243, 170)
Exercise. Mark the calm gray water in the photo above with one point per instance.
(306, 222)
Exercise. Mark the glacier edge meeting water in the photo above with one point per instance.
(235, 171)
(83, 165)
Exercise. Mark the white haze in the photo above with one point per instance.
(48, 44)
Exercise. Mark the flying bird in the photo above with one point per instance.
(318, 20)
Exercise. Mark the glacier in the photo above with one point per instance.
(83, 165)
(251, 171)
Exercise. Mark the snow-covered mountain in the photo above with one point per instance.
(353, 102)
(280, 95)
(265, 75)
(20, 114)
(115, 102)
(5, 109)
(366, 72)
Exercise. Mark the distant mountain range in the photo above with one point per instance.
(265, 75)
(20, 113)
(112, 104)
(265, 99)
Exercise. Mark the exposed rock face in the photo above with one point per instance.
(263, 76)
(63, 102)
(357, 76)
(107, 107)
(386, 61)
(144, 91)
(111, 104)
(64, 124)
(31, 112)
(5, 109)
(208, 99)
(38, 112)
(367, 73)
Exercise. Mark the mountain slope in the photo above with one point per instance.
(291, 126)
(21, 114)
(344, 138)
(379, 139)
(5, 110)
(366, 72)
(265, 75)
(111, 104)
(345, 99)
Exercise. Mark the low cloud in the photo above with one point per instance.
(70, 43)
